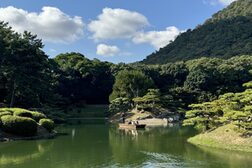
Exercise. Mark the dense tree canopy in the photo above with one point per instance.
(84, 80)
(237, 8)
(131, 84)
(28, 78)
(229, 108)
(24, 71)
(151, 100)
(120, 105)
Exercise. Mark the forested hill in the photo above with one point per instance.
(228, 33)
(238, 8)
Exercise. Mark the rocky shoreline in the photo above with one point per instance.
(42, 134)
(147, 118)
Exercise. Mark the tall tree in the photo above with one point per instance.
(131, 84)
(24, 66)
(84, 80)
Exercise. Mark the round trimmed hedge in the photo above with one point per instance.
(37, 116)
(17, 125)
(47, 124)
(30, 114)
(6, 110)
(5, 113)
(23, 114)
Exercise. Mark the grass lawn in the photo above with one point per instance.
(225, 137)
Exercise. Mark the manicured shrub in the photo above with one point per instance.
(37, 116)
(30, 114)
(17, 125)
(23, 114)
(6, 110)
(47, 124)
(5, 113)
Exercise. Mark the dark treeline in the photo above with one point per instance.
(28, 78)
(25, 71)
(82, 80)
(198, 80)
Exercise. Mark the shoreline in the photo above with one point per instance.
(224, 137)
(146, 117)
(41, 134)
(36, 137)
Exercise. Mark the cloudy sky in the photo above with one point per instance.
(111, 30)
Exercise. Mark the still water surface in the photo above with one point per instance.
(100, 145)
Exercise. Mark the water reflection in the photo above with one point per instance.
(232, 159)
(167, 147)
(100, 145)
(18, 153)
(73, 133)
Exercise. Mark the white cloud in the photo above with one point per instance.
(157, 39)
(215, 2)
(117, 23)
(107, 50)
(52, 50)
(226, 2)
(51, 24)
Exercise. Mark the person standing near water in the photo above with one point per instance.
(123, 117)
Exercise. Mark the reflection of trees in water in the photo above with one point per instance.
(84, 146)
(167, 145)
(131, 146)
(100, 146)
(218, 157)
(87, 146)
(75, 122)
(124, 147)
(21, 152)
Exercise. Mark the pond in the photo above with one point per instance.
(102, 145)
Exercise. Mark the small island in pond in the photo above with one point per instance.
(21, 124)
(224, 123)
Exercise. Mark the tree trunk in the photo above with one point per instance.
(13, 94)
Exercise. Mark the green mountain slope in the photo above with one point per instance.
(238, 8)
(228, 33)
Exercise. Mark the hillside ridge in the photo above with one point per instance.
(228, 33)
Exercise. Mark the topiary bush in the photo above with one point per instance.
(47, 124)
(27, 113)
(5, 113)
(37, 116)
(23, 114)
(17, 125)
(6, 110)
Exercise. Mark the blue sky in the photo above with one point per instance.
(111, 30)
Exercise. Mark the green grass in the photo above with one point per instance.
(225, 137)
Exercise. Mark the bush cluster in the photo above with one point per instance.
(47, 124)
(4, 113)
(37, 116)
(23, 122)
(17, 125)
(30, 114)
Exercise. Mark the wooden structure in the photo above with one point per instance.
(131, 126)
